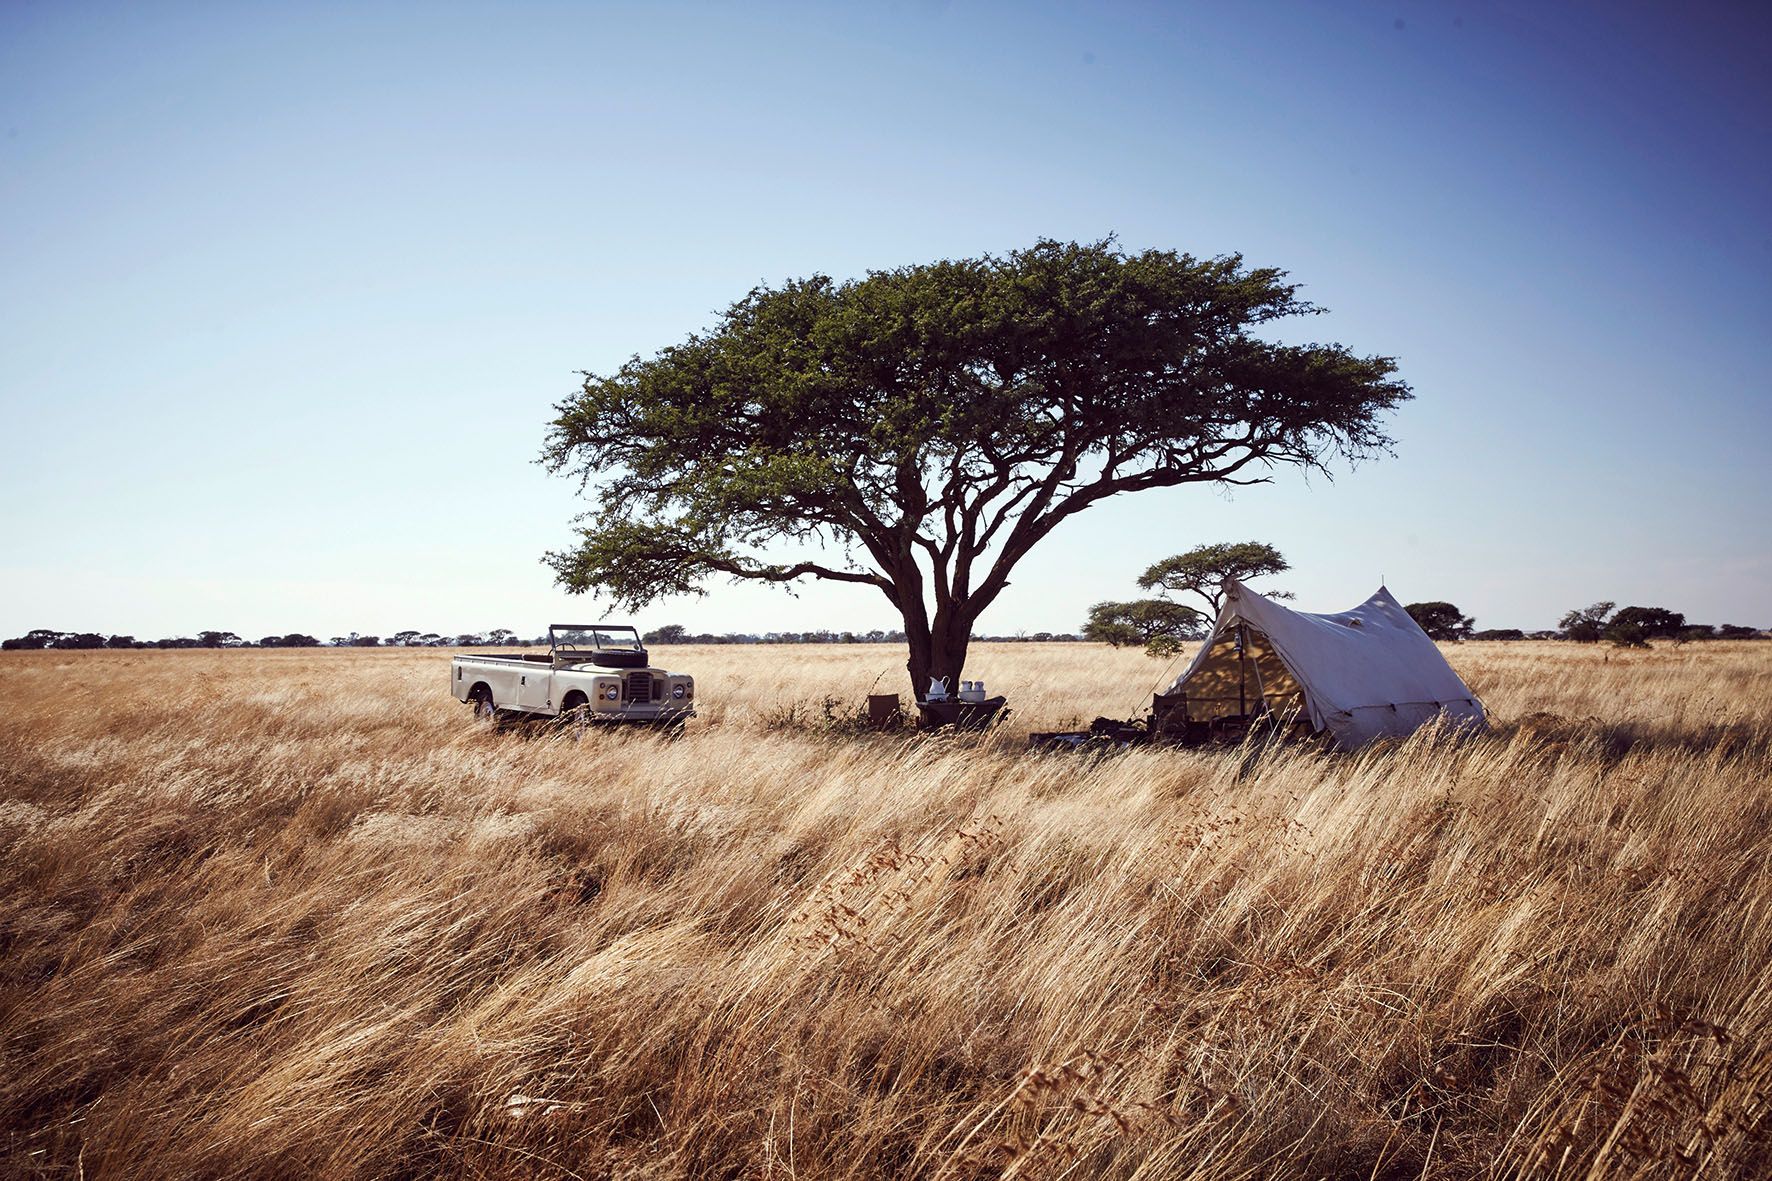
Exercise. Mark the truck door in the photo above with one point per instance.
(535, 689)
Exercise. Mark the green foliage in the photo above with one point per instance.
(1634, 627)
(1631, 627)
(291, 640)
(36, 638)
(1498, 633)
(1160, 626)
(1441, 621)
(1202, 570)
(919, 430)
(1587, 624)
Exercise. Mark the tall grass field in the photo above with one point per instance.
(276, 913)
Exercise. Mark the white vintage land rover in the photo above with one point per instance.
(592, 673)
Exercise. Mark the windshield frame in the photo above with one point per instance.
(595, 637)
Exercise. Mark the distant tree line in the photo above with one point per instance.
(42, 638)
(1634, 627)
(1628, 627)
(1160, 625)
(672, 633)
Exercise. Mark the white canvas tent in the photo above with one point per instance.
(1360, 674)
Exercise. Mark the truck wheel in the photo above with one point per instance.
(575, 716)
(484, 709)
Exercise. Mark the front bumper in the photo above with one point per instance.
(651, 714)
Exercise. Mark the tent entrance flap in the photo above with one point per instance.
(1242, 674)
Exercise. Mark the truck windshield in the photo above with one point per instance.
(591, 639)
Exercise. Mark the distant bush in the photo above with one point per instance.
(1634, 627)
(1441, 621)
(292, 640)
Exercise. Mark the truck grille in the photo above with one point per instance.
(639, 687)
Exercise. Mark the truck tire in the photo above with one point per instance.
(575, 715)
(480, 697)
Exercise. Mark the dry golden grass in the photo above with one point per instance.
(270, 913)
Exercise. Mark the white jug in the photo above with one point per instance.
(938, 689)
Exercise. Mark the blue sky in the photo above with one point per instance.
(289, 291)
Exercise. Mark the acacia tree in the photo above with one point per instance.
(1634, 627)
(920, 430)
(1586, 625)
(1160, 626)
(1202, 570)
(1441, 620)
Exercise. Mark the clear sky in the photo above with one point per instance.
(288, 291)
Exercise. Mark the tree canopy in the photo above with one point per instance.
(1634, 627)
(1586, 625)
(1202, 570)
(919, 430)
(1441, 620)
(1160, 626)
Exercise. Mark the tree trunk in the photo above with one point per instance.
(937, 650)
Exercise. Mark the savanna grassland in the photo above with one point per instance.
(293, 912)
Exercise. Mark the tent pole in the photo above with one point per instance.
(1242, 670)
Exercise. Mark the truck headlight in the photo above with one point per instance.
(679, 692)
(610, 693)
